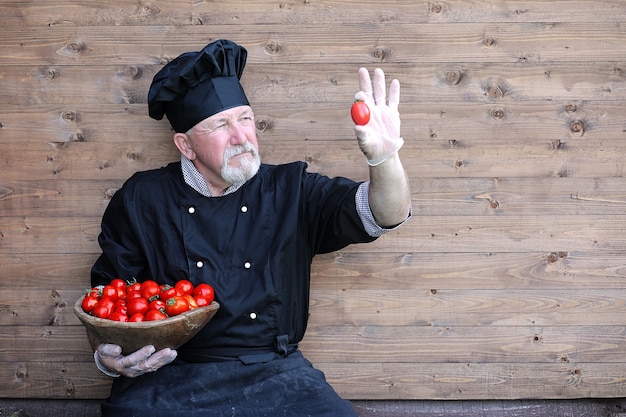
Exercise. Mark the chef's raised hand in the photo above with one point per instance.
(380, 137)
(109, 360)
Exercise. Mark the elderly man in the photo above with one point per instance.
(250, 230)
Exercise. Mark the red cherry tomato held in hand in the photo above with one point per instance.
(360, 113)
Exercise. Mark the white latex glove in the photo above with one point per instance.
(380, 137)
(109, 360)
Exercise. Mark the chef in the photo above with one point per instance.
(251, 230)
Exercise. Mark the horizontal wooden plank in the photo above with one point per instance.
(36, 270)
(52, 407)
(485, 408)
(571, 306)
(40, 306)
(56, 197)
(452, 124)
(271, 85)
(57, 343)
(350, 270)
(53, 379)
(306, 43)
(425, 234)
(465, 344)
(431, 196)
(53, 235)
(250, 12)
(545, 155)
(379, 271)
(379, 344)
(475, 381)
(367, 408)
(372, 381)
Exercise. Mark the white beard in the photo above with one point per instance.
(248, 168)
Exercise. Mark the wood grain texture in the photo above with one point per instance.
(507, 283)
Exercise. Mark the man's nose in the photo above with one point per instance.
(237, 134)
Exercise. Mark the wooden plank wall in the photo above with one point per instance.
(510, 280)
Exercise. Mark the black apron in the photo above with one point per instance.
(286, 386)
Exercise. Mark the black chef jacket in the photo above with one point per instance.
(254, 246)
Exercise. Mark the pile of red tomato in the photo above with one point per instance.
(145, 301)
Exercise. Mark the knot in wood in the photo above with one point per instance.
(571, 108)
(577, 126)
(263, 125)
(78, 137)
(495, 92)
(134, 156)
(552, 258)
(497, 114)
(458, 164)
(453, 77)
(380, 54)
(75, 47)
(132, 72)
(494, 204)
(150, 9)
(21, 373)
(556, 144)
(272, 47)
(436, 8)
(49, 73)
(489, 41)
(109, 192)
(69, 116)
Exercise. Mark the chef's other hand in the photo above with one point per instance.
(380, 138)
(109, 360)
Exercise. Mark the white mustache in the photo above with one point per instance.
(239, 149)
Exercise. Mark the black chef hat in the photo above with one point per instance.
(197, 85)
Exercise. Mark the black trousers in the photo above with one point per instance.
(285, 386)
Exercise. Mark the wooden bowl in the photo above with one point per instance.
(171, 332)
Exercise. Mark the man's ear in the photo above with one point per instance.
(181, 140)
